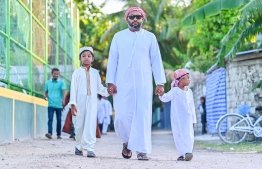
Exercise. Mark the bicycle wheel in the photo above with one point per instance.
(229, 129)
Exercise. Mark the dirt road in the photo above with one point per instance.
(42, 153)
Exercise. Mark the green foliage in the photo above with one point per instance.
(162, 19)
(204, 40)
(258, 85)
(246, 26)
(211, 9)
(92, 30)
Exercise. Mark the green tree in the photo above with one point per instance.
(247, 26)
(163, 20)
(244, 30)
(92, 31)
(205, 36)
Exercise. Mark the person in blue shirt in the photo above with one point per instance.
(55, 94)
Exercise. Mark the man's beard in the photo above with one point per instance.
(136, 27)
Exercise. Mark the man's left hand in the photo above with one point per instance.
(159, 90)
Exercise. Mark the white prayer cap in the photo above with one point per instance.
(85, 48)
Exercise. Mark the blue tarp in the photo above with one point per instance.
(215, 98)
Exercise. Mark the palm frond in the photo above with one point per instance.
(109, 31)
(153, 9)
(115, 28)
(252, 30)
(163, 33)
(161, 7)
(250, 11)
(253, 4)
(172, 27)
(212, 8)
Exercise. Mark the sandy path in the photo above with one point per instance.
(42, 153)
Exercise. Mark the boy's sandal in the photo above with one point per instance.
(181, 158)
(91, 154)
(78, 152)
(127, 151)
(142, 156)
(188, 156)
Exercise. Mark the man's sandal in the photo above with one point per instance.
(127, 151)
(91, 154)
(142, 156)
(188, 156)
(78, 152)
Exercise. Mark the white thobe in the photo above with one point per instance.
(101, 110)
(108, 112)
(182, 117)
(132, 58)
(86, 118)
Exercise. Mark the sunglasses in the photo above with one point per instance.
(138, 17)
(184, 76)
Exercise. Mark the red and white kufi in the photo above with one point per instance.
(135, 9)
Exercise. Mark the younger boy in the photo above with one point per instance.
(85, 85)
(183, 115)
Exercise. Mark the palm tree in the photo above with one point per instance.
(245, 28)
(162, 19)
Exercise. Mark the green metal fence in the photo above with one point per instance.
(35, 36)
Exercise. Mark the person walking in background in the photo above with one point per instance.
(68, 126)
(134, 55)
(85, 85)
(183, 115)
(55, 94)
(202, 109)
(101, 111)
(108, 115)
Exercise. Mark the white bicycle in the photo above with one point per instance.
(235, 128)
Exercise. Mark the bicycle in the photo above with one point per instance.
(235, 128)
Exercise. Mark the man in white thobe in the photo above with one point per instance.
(108, 113)
(134, 55)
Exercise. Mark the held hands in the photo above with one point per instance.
(73, 110)
(159, 90)
(111, 89)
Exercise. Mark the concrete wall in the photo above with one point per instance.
(198, 87)
(22, 116)
(241, 75)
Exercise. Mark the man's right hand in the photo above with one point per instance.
(111, 89)
(73, 110)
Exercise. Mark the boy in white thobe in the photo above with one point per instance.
(108, 113)
(183, 114)
(134, 55)
(85, 85)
